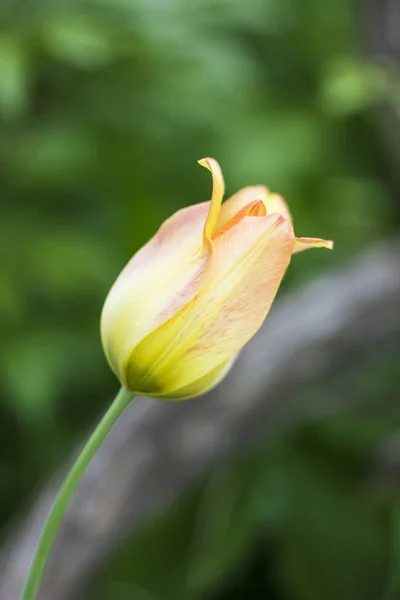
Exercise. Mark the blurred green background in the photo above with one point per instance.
(105, 106)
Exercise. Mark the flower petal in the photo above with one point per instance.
(276, 204)
(254, 209)
(160, 278)
(204, 384)
(273, 203)
(233, 205)
(249, 262)
(217, 194)
(304, 243)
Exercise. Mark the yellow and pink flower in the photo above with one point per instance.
(193, 296)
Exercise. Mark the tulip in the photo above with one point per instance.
(193, 296)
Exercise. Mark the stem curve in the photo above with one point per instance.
(67, 490)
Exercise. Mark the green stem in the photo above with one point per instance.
(67, 490)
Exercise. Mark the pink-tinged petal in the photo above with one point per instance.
(254, 209)
(304, 243)
(273, 203)
(217, 194)
(160, 278)
(249, 262)
(233, 205)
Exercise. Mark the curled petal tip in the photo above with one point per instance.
(328, 244)
(211, 164)
(305, 243)
(218, 191)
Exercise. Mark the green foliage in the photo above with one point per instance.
(105, 106)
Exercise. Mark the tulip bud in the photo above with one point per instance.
(193, 296)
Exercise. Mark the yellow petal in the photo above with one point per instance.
(304, 243)
(276, 204)
(204, 384)
(233, 205)
(161, 278)
(217, 194)
(273, 203)
(249, 262)
(254, 209)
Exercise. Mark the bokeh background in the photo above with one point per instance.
(105, 106)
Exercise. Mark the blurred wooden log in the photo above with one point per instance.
(158, 448)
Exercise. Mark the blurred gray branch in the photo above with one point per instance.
(382, 43)
(158, 448)
(383, 27)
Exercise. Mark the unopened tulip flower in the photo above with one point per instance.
(191, 298)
